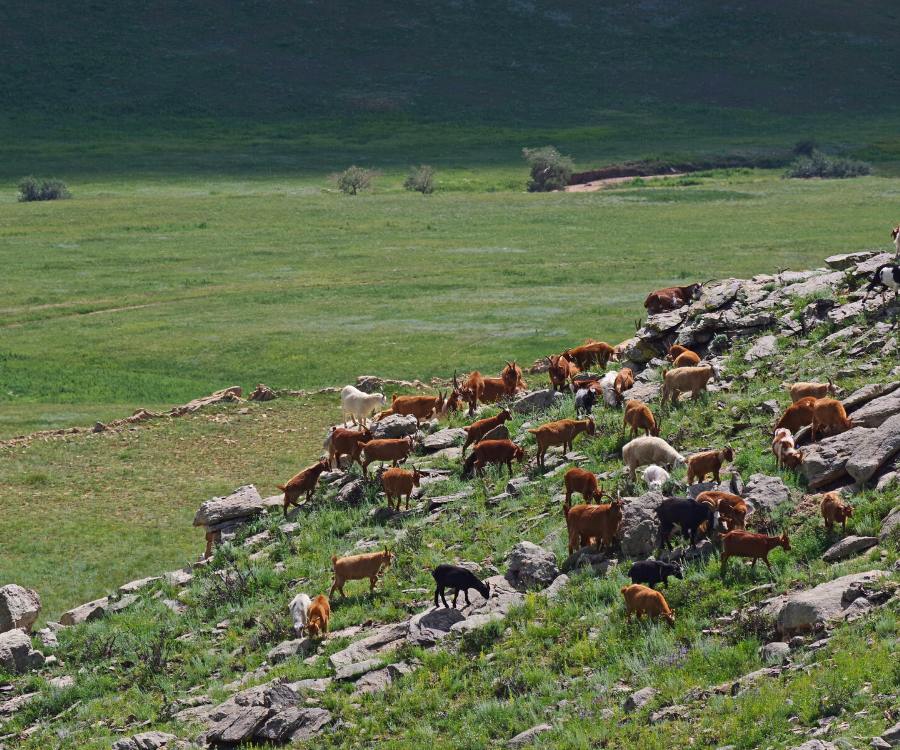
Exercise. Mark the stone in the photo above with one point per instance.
(294, 725)
(431, 626)
(638, 699)
(639, 530)
(555, 588)
(369, 383)
(443, 439)
(868, 393)
(848, 260)
(352, 493)
(815, 285)
(473, 622)
(357, 669)
(764, 347)
(48, 638)
(537, 401)
(765, 493)
(287, 649)
(19, 607)
(849, 546)
(441, 500)
(529, 736)
(668, 714)
(531, 566)
(374, 682)
(877, 411)
(816, 745)
(239, 724)
(244, 501)
(879, 743)
(16, 653)
(394, 426)
(316, 685)
(890, 527)
(144, 741)
(61, 683)
(892, 735)
(500, 432)
(879, 445)
(868, 267)
(134, 586)
(515, 486)
(86, 612)
(826, 460)
(178, 577)
(124, 603)
(644, 392)
(885, 479)
(382, 639)
(825, 602)
(774, 653)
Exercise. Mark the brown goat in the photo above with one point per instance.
(358, 568)
(420, 407)
(398, 482)
(675, 350)
(639, 417)
(683, 379)
(560, 371)
(797, 416)
(511, 375)
(319, 614)
(642, 600)
(730, 507)
(584, 483)
(701, 464)
(671, 298)
(486, 390)
(756, 546)
(804, 390)
(686, 359)
(305, 481)
(591, 353)
(496, 452)
(599, 522)
(346, 442)
(477, 430)
(396, 451)
(624, 380)
(834, 511)
(561, 433)
(830, 413)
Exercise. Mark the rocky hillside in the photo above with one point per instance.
(802, 656)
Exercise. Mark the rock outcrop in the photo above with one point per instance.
(19, 607)
(531, 566)
(825, 602)
(16, 653)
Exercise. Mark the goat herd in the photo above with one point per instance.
(588, 523)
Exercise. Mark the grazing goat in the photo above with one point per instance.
(591, 353)
(689, 515)
(747, 544)
(477, 430)
(586, 522)
(486, 390)
(729, 507)
(643, 451)
(585, 399)
(358, 568)
(319, 614)
(675, 351)
(420, 407)
(346, 442)
(584, 483)
(493, 452)
(684, 379)
(395, 450)
(686, 359)
(887, 277)
(786, 455)
(655, 477)
(298, 608)
(834, 511)
(398, 483)
(640, 601)
(651, 572)
(804, 390)
(639, 417)
(305, 481)
(611, 397)
(830, 413)
(561, 433)
(459, 579)
(672, 297)
(360, 405)
(511, 375)
(560, 371)
(701, 464)
(624, 381)
(797, 416)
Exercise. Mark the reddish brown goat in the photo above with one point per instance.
(624, 380)
(686, 359)
(420, 407)
(561, 433)
(396, 451)
(496, 452)
(639, 417)
(675, 350)
(305, 481)
(584, 483)
(594, 353)
(756, 546)
(346, 442)
(701, 464)
(830, 413)
(560, 371)
(477, 430)
(641, 600)
(398, 482)
(834, 511)
(511, 375)
(598, 522)
(319, 614)
(671, 298)
(730, 507)
(797, 415)
(486, 390)
(358, 568)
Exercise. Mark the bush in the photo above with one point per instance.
(806, 147)
(48, 190)
(421, 180)
(354, 179)
(550, 170)
(821, 165)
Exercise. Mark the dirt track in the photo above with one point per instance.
(588, 187)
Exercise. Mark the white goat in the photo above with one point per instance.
(611, 396)
(895, 236)
(643, 451)
(360, 405)
(299, 608)
(655, 477)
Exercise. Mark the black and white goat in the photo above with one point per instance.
(895, 237)
(584, 401)
(887, 277)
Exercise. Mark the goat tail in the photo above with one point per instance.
(394, 398)
(566, 510)
(334, 559)
(533, 432)
(281, 487)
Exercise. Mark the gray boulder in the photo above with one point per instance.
(824, 602)
(244, 501)
(352, 493)
(867, 393)
(537, 401)
(238, 724)
(19, 607)
(892, 735)
(639, 699)
(774, 652)
(825, 461)
(880, 444)
(86, 612)
(531, 566)
(764, 347)
(765, 493)
(287, 649)
(293, 725)
(515, 485)
(500, 432)
(816, 745)
(849, 546)
(443, 439)
(848, 260)
(639, 530)
(427, 628)
(16, 653)
(357, 669)
(890, 526)
(48, 638)
(144, 741)
(529, 736)
(385, 638)
(395, 426)
(878, 411)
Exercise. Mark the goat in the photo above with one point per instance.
(346, 442)
(561, 433)
(511, 375)
(359, 405)
(685, 513)
(686, 359)
(358, 568)
(611, 397)
(729, 507)
(486, 390)
(643, 451)
(420, 407)
(560, 371)
(298, 608)
(895, 237)
(675, 351)
(585, 399)
(672, 297)
(459, 579)
(624, 381)
(797, 415)
(830, 413)
(395, 450)
(319, 614)
(640, 601)
(701, 464)
(834, 511)
(592, 352)
(305, 481)
(398, 482)
(684, 379)
(804, 390)
(477, 430)
(584, 483)
(493, 452)
(639, 417)
(783, 447)
(887, 277)
(747, 544)
(655, 477)
(599, 522)
(651, 572)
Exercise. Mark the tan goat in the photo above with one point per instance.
(639, 417)
(804, 390)
(561, 433)
(830, 413)
(701, 464)
(624, 380)
(358, 568)
(398, 483)
(684, 379)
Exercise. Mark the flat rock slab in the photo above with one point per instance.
(825, 461)
(443, 439)
(287, 649)
(877, 411)
(370, 646)
(764, 347)
(134, 586)
(244, 501)
(427, 628)
(144, 741)
(823, 603)
(878, 446)
(816, 745)
(352, 671)
(19, 607)
(474, 622)
(529, 736)
(86, 612)
(439, 502)
(293, 725)
(14, 704)
(239, 724)
(868, 393)
(537, 401)
(124, 603)
(849, 546)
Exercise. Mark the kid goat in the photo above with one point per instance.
(459, 579)
(360, 405)
(358, 568)
(561, 433)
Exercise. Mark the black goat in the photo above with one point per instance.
(460, 579)
(584, 401)
(887, 277)
(685, 513)
(651, 572)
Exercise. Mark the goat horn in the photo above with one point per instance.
(707, 282)
(830, 382)
(507, 362)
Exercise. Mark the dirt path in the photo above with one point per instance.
(589, 187)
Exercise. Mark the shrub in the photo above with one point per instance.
(550, 170)
(354, 179)
(821, 165)
(421, 180)
(48, 190)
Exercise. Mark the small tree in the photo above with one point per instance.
(354, 179)
(550, 170)
(421, 179)
(48, 190)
